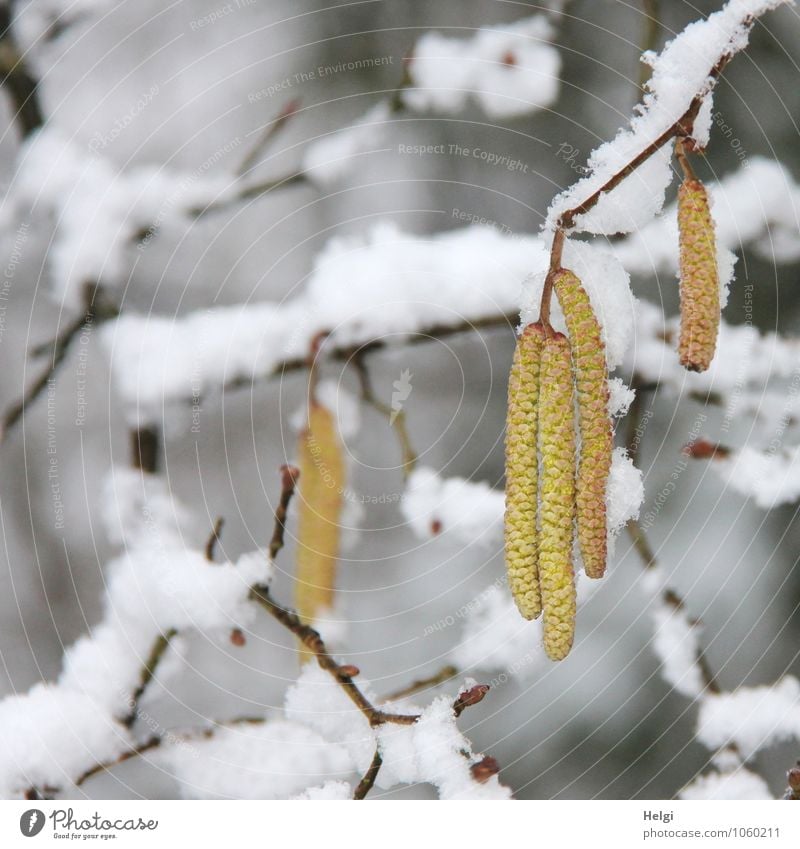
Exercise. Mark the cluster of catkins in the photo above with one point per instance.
(556, 479)
(546, 495)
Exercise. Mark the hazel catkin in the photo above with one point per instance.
(322, 473)
(521, 547)
(699, 278)
(596, 443)
(557, 502)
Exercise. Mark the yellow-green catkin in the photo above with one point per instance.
(699, 278)
(322, 476)
(522, 472)
(591, 384)
(557, 501)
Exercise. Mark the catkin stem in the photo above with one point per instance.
(557, 508)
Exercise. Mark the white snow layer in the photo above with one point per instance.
(387, 285)
(461, 511)
(496, 639)
(471, 512)
(276, 759)
(744, 357)
(52, 734)
(98, 210)
(759, 204)
(752, 718)
(680, 73)
(738, 784)
(336, 155)
(432, 750)
(770, 478)
(509, 69)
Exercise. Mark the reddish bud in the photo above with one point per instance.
(237, 637)
(485, 769)
(349, 671)
(470, 697)
(436, 527)
(703, 449)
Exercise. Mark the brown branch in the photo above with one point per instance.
(397, 418)
(314, 643)
(682, 127)
(481, 771)
(343, 674)
(368, 781)
(16, 78)
(345, 353)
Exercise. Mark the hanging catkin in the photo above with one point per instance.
(322, 472)
(699, 280)
(591, 383)
(557, 503)
(522, 473)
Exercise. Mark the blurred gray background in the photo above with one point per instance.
(624, 733)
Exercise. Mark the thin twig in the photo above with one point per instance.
(149, 744)
(397, 418)
(446, 673)
(60, 345)
(314, 643)
(271, 130)
(368, 781)
(289, 477)
(167, 738)
(650, 33)
(157, 652)
(343, 674)
(213, 539)
(256, 190)
(98, 308)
